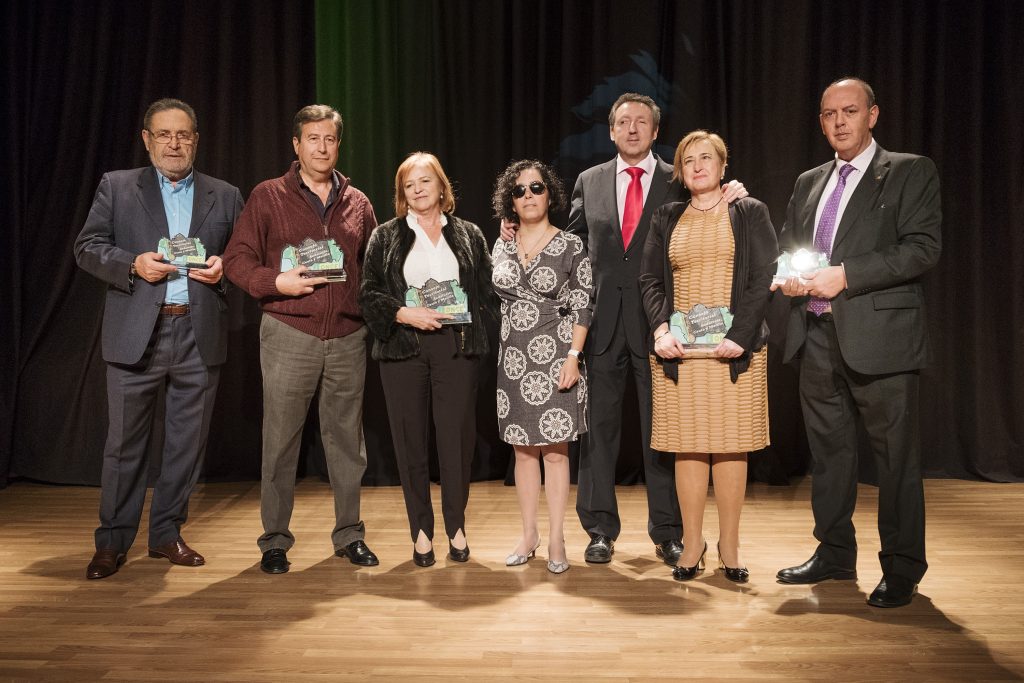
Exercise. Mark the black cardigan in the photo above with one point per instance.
(756, 252)
(382, 290)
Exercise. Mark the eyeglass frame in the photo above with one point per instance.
(536, 188)
(173, 136)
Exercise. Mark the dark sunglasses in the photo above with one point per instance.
(536, 187)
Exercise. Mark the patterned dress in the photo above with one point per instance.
(540, 303)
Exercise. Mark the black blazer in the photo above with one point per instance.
(594, 217)
(127, 218)
(890, 234)
(382, 290)
(756, 251)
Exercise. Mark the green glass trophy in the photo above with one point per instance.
(700, 329)
(801, 262)
(443, 297)
(322, 258)
(183, 252)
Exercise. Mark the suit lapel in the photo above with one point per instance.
(608, 200)
(202, 202)
(862, 197)
(152, 202)
(811, 207)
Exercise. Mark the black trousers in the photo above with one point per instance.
(171, 360)
(833, 397)
(442, 382)
(598, 510)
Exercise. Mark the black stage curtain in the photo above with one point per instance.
(481, 83)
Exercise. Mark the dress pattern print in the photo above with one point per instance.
(540, 303)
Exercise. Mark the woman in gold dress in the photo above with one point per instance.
(710, 406)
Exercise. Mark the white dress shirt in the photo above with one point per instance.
(860, 163)
(622, 180)
(427, 260)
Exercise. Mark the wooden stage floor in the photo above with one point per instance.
(627, 621)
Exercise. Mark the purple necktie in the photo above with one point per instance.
(826, 228)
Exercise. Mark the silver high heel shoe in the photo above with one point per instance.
(514, 560)
(557, 567)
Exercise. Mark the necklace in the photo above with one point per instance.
(710, 207)
(526, 252)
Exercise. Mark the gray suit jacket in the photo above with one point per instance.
(889, 235)
(127, 218)
(594, 217)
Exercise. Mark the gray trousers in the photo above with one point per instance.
(171, 361)
(294, 365)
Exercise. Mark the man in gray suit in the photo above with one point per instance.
(162, 329)
(612, 204)
(858, 329)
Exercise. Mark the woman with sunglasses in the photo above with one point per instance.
(429, 359)
(544, 280)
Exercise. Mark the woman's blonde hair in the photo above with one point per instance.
(414, 159)
(717, 143)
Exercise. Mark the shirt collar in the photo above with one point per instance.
(862, 160)
(335, 178)
(410, 220)
(648, 164)
(183, 184)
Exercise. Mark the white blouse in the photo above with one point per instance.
(426, 260)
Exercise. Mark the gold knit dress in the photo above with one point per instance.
(705, 412)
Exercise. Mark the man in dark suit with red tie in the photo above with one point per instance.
(858, 330)
(164, 331)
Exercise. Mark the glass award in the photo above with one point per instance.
(702, 328)
(322, 258)
(443, 297)
(800, 262)
(183, 252)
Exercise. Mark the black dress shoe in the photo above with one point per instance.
(893, 591)
(458, 554)
(104, 563)
(358, 553)
(813, 571)
(275, 561)
(669, 551)
(423, 559)
(690, 573)
(599, 550)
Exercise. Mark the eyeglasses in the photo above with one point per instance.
(165, 136)
(536, 187)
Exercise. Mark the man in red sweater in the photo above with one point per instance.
(312, 332)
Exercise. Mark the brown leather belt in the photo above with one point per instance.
(173, 309)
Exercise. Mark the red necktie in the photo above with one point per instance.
(634, 205)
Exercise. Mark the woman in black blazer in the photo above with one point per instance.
(710, 405)
(427, 364)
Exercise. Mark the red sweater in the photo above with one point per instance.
(276, 215)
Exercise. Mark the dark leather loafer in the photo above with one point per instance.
(893, 591)
(669, 552)
(423, 559)
(178, 553)
(358, 553)
(599, 550)
(458, 554)
(813, 571)
(104, 563)
(275, 561)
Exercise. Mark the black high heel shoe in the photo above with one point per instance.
(423, 559)
(690, 573)
(458, 554)
(734, 574)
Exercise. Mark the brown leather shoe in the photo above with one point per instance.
(178, 553)
(104, 563)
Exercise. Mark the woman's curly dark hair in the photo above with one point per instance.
(501, 200)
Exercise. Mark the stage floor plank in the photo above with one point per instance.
(627, 621)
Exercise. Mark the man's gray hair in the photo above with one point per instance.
(166, 104)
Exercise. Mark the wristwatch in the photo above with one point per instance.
(574, 353)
